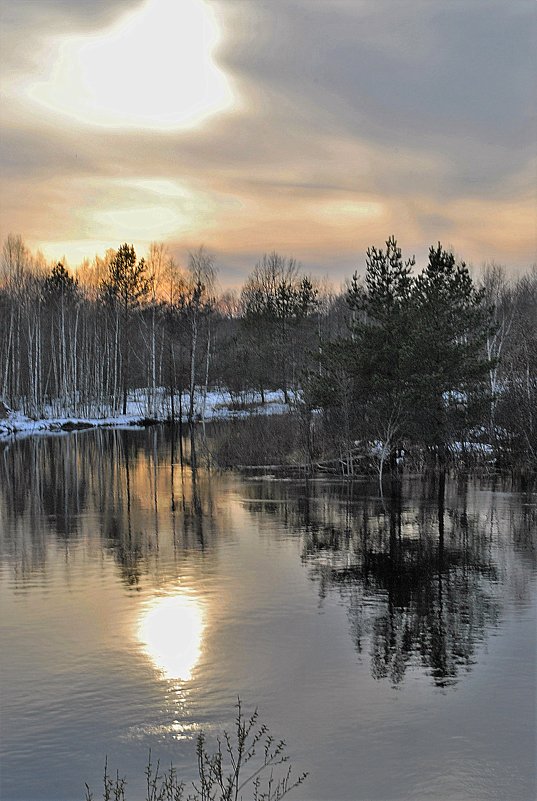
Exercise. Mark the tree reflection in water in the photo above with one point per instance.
(424, 578)
(125, 486)
(420, 576)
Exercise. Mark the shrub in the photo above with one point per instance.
(249, 760)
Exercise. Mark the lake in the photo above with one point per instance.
(392, 644)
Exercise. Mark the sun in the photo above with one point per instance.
(154, 68)
(171, 632)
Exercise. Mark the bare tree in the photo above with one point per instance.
(498, 297)
(200, 301)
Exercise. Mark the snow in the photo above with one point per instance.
(474, 447)
(217, 405)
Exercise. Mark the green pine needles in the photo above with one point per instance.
(413, 369)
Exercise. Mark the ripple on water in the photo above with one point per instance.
(139, 602)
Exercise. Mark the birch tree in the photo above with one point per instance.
(198, 305)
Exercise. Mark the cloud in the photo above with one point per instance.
(33, 15)
(351, 121)
(428, 75)
(154, 68)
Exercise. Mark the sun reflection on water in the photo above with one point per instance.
(171, 631)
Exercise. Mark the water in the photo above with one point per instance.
(394, 648)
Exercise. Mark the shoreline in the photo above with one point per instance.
(218, 405)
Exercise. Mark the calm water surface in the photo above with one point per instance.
(394, 648)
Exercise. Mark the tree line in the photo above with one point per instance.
(431, 361)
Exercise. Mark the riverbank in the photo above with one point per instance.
(216, 405)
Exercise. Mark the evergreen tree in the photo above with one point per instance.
(413, 368)
(446, 365)
(127, 284)
(60, 291)
(381, 320)
(60, 283)
(363, 386)
(380, 341)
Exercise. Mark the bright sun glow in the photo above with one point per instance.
(153, 69)
(156, 222)
(171, 630)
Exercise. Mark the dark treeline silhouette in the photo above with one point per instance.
(82, 342)
(431, 363)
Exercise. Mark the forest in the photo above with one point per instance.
(432, 364)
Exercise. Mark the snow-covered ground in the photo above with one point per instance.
(217, 405)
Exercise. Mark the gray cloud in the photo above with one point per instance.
(447, 77)
(27, 154)
(424, 108)
(60, 15)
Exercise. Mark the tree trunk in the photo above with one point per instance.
(193, 344)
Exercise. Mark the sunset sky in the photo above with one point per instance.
(313, 127)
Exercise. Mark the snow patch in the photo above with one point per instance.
(215, 405)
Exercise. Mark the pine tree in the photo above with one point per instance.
(413, 367)
(61, 294)
(380, 341)
(380, 327)
(126, 285)
(362, 385)
(446, 361)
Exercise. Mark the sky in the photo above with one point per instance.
(311, 127)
